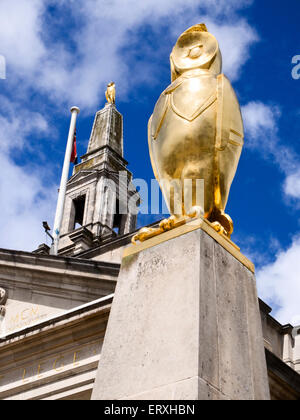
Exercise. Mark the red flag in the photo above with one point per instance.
(74, 158)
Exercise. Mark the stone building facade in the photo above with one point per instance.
(54, 309)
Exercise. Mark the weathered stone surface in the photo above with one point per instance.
(107, 130)
(184, 324)
(284, 380)
(296, 350)
(56, 359)
(41, 286)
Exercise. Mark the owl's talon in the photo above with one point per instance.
(134, 239)
(195, 211)
(219, 228)
(168, 224)
(219, 218)
(165, 225)
(144, 234)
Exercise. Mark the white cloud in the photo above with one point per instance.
(279, 283)
(292, 185)
(235, 42)
(20, 34)
(127, 18)
(74, 68)
(16, 123)
(259, 118)
(261, 134)
(25, 199)
(25, 203)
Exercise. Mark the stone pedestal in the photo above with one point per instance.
(184, 324)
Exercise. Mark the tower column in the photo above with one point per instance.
(91, 206)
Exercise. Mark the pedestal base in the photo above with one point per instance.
(184, 325)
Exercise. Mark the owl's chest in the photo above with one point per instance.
(187, 99)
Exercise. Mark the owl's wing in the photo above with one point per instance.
(157, 118)
(151, 151)
(230, 127)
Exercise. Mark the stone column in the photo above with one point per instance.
(130, 223)
(69, 215)
(90, 206)
(296, 352)
(184, 324)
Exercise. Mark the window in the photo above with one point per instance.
(117, 219)
(79, 204)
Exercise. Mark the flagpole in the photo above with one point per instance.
(63, 182)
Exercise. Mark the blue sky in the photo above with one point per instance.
(63, 53)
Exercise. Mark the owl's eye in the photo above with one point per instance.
(195, 52)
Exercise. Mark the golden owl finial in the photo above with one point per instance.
(110, 93)
(195, 135)
(201, 27)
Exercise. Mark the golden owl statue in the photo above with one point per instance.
(110, 93)
(196, 131)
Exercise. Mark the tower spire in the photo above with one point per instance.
(98, 188)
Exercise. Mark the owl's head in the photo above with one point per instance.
(196, 48)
